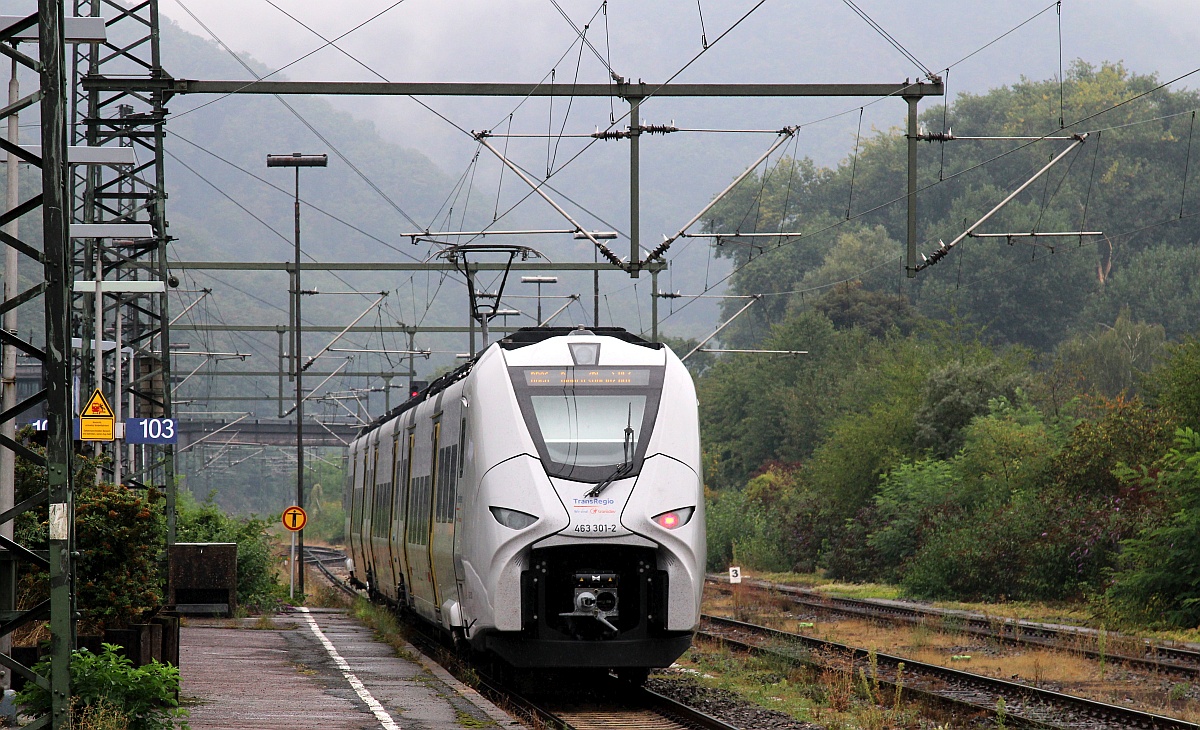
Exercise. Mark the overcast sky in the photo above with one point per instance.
(795, 41)
(799, 41)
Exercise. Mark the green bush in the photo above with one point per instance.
(910, 497)
(205, 522)
(741, 531)
(1158, 578)
(146, 696)
(977, 559)
(119, 534)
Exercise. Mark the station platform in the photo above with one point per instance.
(317, 669)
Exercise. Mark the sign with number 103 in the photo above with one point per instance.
(150, 431)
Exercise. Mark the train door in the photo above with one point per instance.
(417, 530)
(456, 517)
(354, 513)
(393, 549)
(435, 495)
(445, 502)
(404, 500)
(370, 514)
(382, 527)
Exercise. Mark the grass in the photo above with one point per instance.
(387, 629)
(264, 622)
(466, 719)
(321, 594)
(831, 695)
(1076, 614)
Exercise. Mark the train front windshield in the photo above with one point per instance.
(587, 421)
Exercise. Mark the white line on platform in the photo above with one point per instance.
(381, 714)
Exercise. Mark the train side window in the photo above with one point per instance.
(462, 440)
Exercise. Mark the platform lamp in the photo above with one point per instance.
(539, 280)
(297, 160)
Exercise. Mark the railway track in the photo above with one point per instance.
(322, 557)
(1132, 651)
(638, 708)
(1023, 705)
(611, 704)
(973, 694)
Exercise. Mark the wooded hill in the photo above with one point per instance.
(1015, 422)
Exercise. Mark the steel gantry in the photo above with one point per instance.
(125, 118)
(635, 94)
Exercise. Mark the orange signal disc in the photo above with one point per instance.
(295, 518)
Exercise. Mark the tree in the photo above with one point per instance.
(1158, 579)
(1123, 181)
(1113, 360)
(850, 305)
(954, 395)
(1176, 385)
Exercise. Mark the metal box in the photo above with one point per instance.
(203, 578)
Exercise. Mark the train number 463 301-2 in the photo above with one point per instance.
(595, 528)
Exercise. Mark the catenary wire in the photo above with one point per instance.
(1131, 99)
(287, 65)
(325, 140)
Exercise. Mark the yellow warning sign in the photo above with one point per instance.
(97, 407)
(96, 420)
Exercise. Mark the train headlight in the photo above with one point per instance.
(675, 518)
(512, 519)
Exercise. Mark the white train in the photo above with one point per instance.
(543, 502)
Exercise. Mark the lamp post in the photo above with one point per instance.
(539, 280)
(297, 160)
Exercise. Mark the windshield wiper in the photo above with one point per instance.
(625, 466)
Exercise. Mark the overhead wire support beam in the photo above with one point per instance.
(944, 248)
(393, 266)
(775, 234)
(308, 363)
(1033, 236)
(1038, 234)
(536, 232)
(784, 135)
(753, 298)
(274, 373)
(364, 329)
(949, 136)
(605, 251)
(170, 87)
(757, 352)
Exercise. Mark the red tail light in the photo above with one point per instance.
(675, 518)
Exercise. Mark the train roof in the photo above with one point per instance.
(533, 335)
(521, 338)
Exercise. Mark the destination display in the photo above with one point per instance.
(587, 376)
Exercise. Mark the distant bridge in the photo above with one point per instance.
(262, 432)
